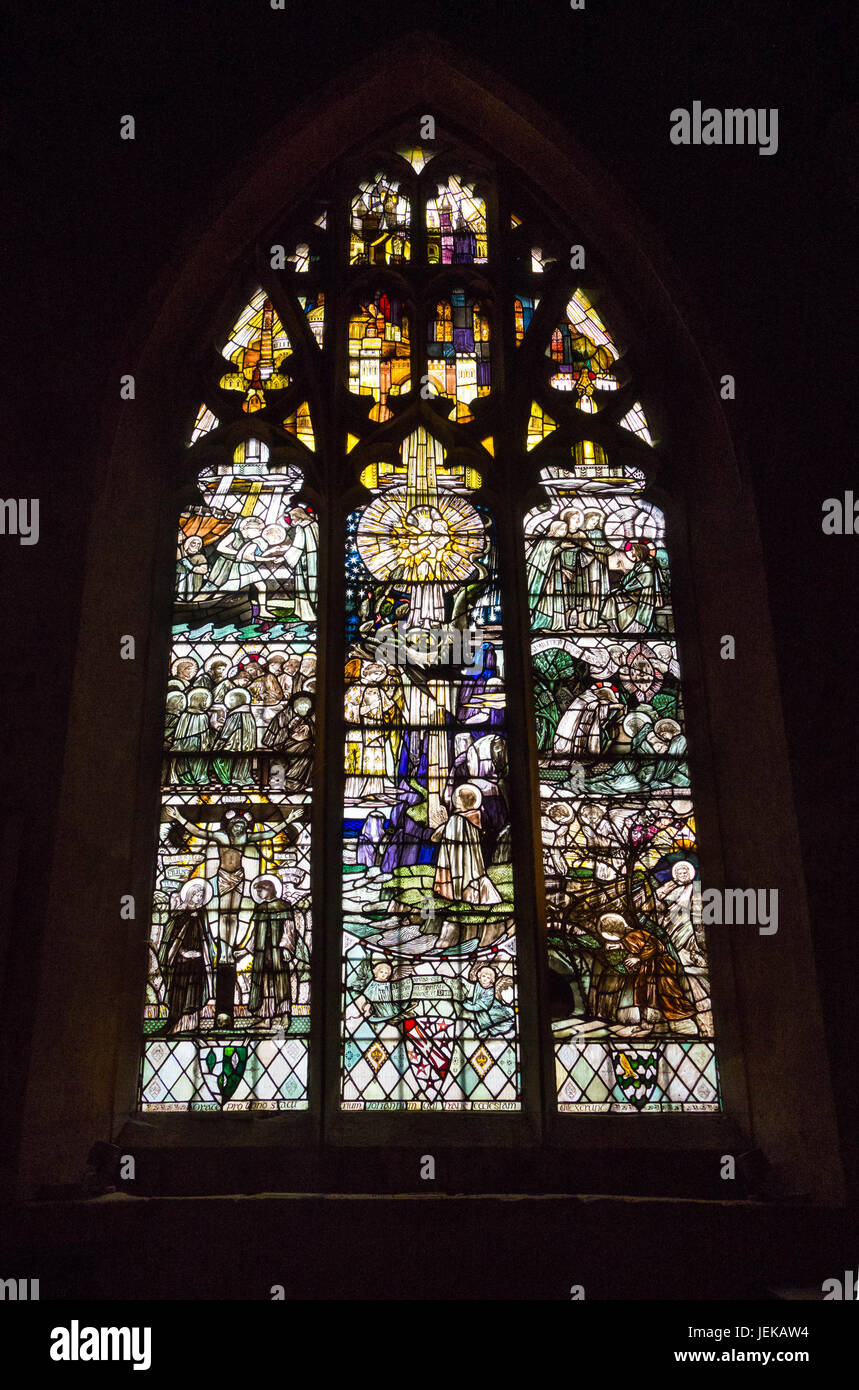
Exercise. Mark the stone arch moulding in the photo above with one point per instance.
(771, 1071)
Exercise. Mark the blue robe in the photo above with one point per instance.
(490, 1015)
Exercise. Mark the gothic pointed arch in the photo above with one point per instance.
(275, 369)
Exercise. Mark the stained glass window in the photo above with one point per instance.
(206, 420)
(379, 351)
(429, 962)
(256, 348)
(227, 1012)
(381, 227)
(632, 1022)
(582, 353)
(393, 370)
(458, 350)
(456, 225)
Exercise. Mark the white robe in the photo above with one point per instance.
(460, 873)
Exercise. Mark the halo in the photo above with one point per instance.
(265, 878)
(636, 720)
(457, 796)
(196, 883)
(436, 544)
(612, 917)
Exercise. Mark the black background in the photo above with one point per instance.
(764, 245)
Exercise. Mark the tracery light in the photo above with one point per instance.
(256, 346)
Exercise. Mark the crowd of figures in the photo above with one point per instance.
(615, 709)
(429, 942)
(231, 913)
(433, 845)
(445, 786)
(254, 559)
(626, 947)
(224, 710)
(579, 579)
(624, 910)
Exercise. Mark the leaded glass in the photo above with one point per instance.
(379, 351)
(380, 223)
(404, 367)
(256, 347)
(429, 964)
(206, 420)
(300, 424)
(227, 1011)
(314, 307)
(417, 156)
(456, 225)
(458, 351)
(523, 312)
(582, 353)
(632, 1023)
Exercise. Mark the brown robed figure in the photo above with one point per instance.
(274, 950)
(659, 978)
(659, 987)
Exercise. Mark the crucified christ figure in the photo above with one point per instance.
(227, 848)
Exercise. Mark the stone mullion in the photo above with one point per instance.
(336, 470)
(509, 479)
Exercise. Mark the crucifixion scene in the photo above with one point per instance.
(228, 1005)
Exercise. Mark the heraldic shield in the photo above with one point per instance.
(429, 1047)
(636, 1077)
